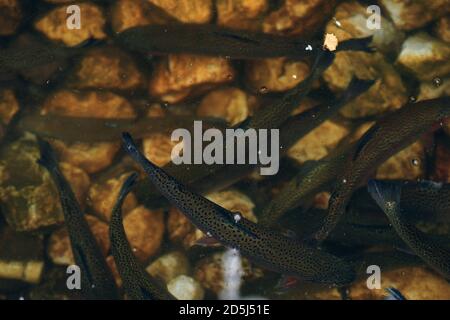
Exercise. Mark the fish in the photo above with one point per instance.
(388, 136)
(394, 294)
(35, 52)
(387, 196)
(214, 40)
(82, 129)
(205, 178)
(421, 201)
(261, 245)
(97, 281)
(137, 283)
(313, 177)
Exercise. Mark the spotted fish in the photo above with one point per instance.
(388, 136)
(137, 283)
(387, 196)
(262, 245)
(96, 279)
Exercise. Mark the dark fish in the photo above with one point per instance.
(106, 129)
(36, 53)
(424, 200)
(96, 279)
(137, 283)
(387, 196)
(313, 177)
(394, 294)
(388, 136)
(215, 40)
(262, 245)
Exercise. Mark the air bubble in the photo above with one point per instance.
(437, 82)
(237, 217)
(415, 162)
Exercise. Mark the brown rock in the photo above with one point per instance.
(158, 148)
(425, 57)
(435, 88)
(299, 17)
(91, 157)
(442, 29)
(188, 11)
(388, 92)
(409, 15)
(10, 16)
(107, 68)
(179, 76)
(318, 143)
(169, 266)
(127, 14)
(241, 14)
(59, 248)
(54, 25)
(145, 230)
(276, 74)
(103, 197)
(28, 194)
(230, 104)
(9, 106)
(185, 288)
(414, 283)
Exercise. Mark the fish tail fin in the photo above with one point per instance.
(385, 193)
(360, 44)
(47, 157)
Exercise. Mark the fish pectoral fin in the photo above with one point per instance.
(207, 241)
(286, 283)
(385, 193)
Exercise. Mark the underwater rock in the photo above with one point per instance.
(319, 142)
(103, 196)
(409, 15)
(59, 249)
(21, 259)
(54, 25)
(442, 29)
(158, 148)
(415, 283)
(187, 11)
(91, 157)
(241, 14)
(185, 288)
(9, 106)
(350, 21)
(388, 93)
(275, 75)
(231, 104)
(169, 266)
(27, 193)
(436, 88)
(127, 14)
(10, 16)
(144, 230)
(178, 76)
(425, 57)
(209, 272)
(181, 230)
(408, 164)
(107, 68)
(299, 17)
